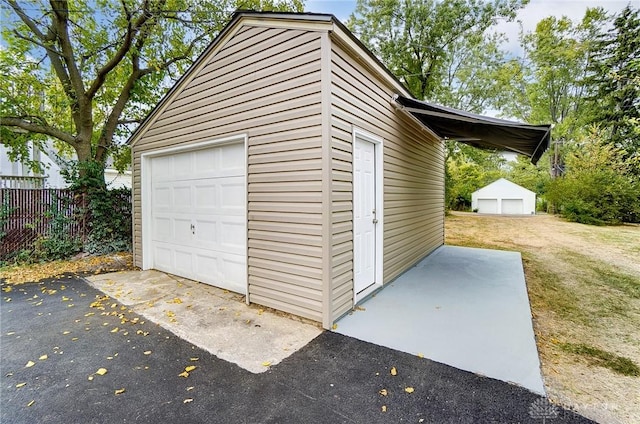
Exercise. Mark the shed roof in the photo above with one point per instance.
(478, 130)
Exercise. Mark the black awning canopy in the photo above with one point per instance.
(479, 131)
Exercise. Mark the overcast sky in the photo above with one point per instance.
(529, 15)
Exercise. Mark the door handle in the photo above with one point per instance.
(375, 221)
(193, 229)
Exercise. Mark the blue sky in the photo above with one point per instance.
(529, 15)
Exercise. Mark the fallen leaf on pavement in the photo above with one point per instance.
(394, 371)
(188, 400)
(31, 403)
(384, 408)
(30, 364)
(190, 368)
(20, 385)
(101, 371)
(147, 352)
(183, 374)
(120, 391)
(383, 392)
(43, 357)
(409, 389)
(193, 359)
(266, 364)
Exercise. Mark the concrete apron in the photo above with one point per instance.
(211, 318)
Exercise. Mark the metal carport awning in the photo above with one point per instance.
(477, 130)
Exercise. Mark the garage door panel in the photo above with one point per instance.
(206, 162)
(181, 195)
(161, 169)
(182, 231)
(206, 267)
(234, 270)
(487, 205)
(163, 257)
(206, 195)
(206, 234)
(198, 213)
(232, 196)
(183, 263)
(182, 166)
(232, 158)
(232, 236)
(162, 197)
(162, 228)
(512, 206)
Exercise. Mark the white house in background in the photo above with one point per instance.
(17, 175)
(116, 179)
(505, 198)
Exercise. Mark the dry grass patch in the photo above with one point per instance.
(584, 288)
(32, 273)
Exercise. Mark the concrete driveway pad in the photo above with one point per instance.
(215, 320)
(461, 306)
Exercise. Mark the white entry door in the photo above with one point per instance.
(364, 214)
(198, 215)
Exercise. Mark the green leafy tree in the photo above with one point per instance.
(417, 39)
(83, 72)
(472, 73)
(532, 177)
(468, 169)
(615, 77)
(548, 83)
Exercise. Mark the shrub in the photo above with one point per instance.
(598, 187)
(109, 214)
(58, 243)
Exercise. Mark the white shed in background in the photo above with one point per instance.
(505, 198)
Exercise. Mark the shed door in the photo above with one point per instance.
(487, 205)
(512, 206)
(364, 219)
(198, 215)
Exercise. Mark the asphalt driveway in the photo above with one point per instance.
(55, 337)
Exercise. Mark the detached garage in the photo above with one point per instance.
(289, 165)
(505, 198)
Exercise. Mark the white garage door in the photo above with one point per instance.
(487, 205)
(198, 215)
(512, 206)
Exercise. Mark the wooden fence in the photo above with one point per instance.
(27, 214)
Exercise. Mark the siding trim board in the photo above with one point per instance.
(327, 212)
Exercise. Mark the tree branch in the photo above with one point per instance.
(125, 47)
(10, 121)
(27, 20)
(60, 26)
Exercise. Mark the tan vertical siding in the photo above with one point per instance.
(265, 83)
(413, 175)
